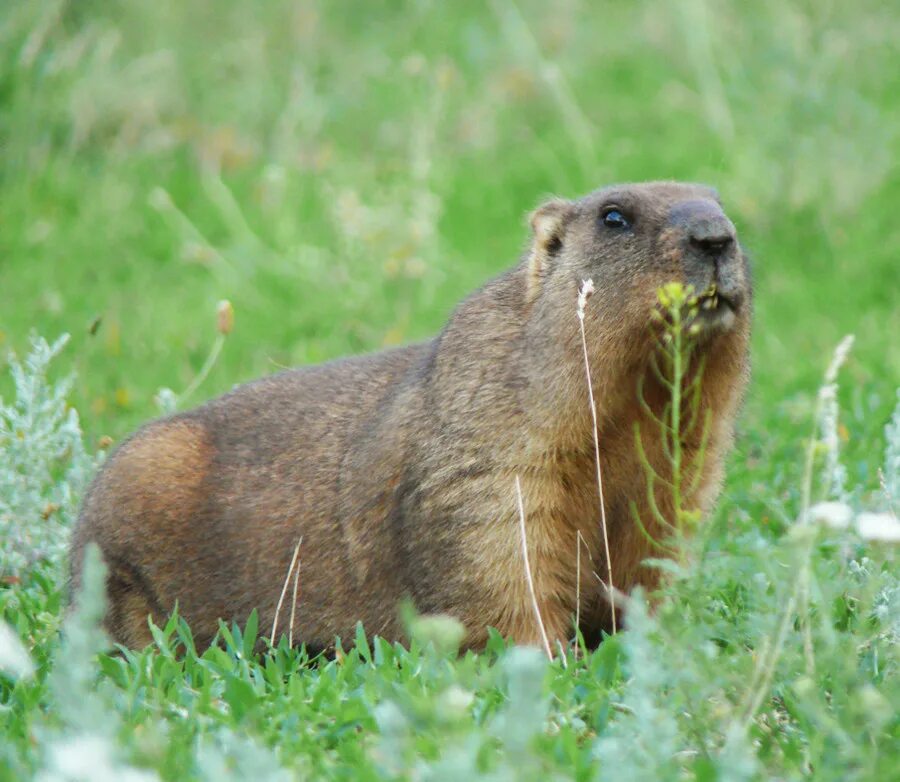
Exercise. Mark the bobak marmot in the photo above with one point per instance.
(398, 469)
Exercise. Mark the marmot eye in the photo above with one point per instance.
(613, 218)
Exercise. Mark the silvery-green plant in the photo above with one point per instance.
(83, 744)
(655, 732)
(834, 474)
(89, 759)
(642, 740)
(226, 756)
(524, 716)
(43, 462)
(14, 658)
(891, 472)
(506, 742)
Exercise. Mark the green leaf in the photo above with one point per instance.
(250, 632)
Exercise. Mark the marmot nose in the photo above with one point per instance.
(712, 237)
(705, 225)
(711, 244)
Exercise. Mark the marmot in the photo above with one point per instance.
(397, 469)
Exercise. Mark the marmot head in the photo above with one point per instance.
(631, 240)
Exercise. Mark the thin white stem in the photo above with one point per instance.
(586, 290)
(287, 579)
(294, 598)
(528, 578)
(577, 587)
(616, 597)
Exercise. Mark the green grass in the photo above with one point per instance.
(344, 173)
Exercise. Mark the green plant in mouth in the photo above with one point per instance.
(678, 368)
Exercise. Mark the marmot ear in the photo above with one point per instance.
(548, 225)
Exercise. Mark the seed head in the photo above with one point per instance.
(224, 317)
(587, 290)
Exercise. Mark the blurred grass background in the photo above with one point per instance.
(344, 173)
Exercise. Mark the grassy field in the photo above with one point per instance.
(344, 173)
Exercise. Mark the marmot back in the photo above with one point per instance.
(397, 470)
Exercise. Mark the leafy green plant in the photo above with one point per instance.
(679, 371)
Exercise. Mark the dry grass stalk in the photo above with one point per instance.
(579, 543)
(528, 578)
(587, 288)
(294, 596)
(287, 579)
(616, 597)
(577, 587)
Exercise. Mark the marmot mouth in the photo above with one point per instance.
(711, 299)
(715, 311)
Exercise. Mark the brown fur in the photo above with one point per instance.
(398, 468)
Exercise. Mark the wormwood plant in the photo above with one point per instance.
(45, 466)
